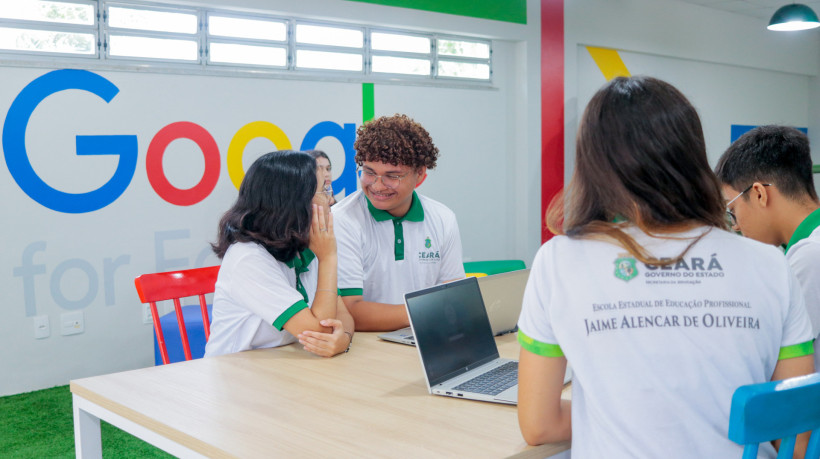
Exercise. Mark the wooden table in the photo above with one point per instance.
(286, 402)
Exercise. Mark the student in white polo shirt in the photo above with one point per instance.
(767, 178)
(661, 312)
(391, 239)
(277, 282)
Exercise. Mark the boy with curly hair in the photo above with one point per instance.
(391, 240)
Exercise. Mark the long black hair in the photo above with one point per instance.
(273, 207)
(640, 157)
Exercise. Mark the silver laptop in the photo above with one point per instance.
(457, 346)
(503, 295)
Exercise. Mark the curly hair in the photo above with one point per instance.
(397, 140)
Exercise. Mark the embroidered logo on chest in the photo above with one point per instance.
(429, 256)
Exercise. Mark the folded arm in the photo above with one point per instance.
(542, 415)
(372, 316)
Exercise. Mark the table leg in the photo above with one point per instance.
(87, 438)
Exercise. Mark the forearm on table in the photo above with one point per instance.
(344, 316)
(371, 316)
(324, 303)
(544, 417)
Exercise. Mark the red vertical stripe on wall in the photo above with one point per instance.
(552, 105)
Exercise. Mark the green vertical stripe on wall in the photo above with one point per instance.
(507, 10)
(368, 107)
(816, 168)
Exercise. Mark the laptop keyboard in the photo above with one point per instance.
(494, 381)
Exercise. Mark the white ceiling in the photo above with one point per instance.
(763, 9)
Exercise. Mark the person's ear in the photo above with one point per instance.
(759, 194)
(421, 175)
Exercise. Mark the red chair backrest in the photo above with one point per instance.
(174, 285)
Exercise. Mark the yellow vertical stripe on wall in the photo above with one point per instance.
(609, 61)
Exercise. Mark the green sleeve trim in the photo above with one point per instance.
(351, 292)
(283, 318)
(796, 350)
(539, 348)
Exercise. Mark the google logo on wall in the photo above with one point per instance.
(126, 147)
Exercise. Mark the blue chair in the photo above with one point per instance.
(195, 328)
(777, 410)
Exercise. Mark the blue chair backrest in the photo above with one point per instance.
(777, 410)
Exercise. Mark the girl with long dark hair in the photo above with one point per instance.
(277, 281)
(660, 311)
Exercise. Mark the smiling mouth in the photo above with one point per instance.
(381, 195)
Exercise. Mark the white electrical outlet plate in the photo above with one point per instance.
(71, 323)
(42, 329)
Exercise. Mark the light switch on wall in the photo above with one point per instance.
(71, 323)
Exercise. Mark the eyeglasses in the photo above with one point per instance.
(729, 212)
(389, 180)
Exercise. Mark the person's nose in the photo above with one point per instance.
(379, 184)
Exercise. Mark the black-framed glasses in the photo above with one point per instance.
(369, 177)
(729, 212)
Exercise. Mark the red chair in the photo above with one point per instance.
(174, 285)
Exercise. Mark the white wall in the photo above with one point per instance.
(56, 262)
(723, 94)
(714, 57)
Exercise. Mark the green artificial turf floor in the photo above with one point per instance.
(40, 424)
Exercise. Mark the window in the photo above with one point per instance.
(329, 36)
(408, 66)
(153, 48)
(47, 41)
(48, 27)
(327, 47)
(145, 34)
(152, 34)
(248, 54)
(382, 41)
(46, 11)
(157, 21)
(247, 41)
(463, 59)
(401, 54)
(223, 26)
(309, 59)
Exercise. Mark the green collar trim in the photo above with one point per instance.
(301, 261)
(805, 228)
(414, 214)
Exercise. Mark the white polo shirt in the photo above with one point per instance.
(255, 296)
(657, 353)
(382, 257)
(803, 255)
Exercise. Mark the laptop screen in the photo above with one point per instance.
(452, 330)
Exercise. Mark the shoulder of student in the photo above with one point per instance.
(242, 255)
(435, 209)
(806, 253)
(349, 211)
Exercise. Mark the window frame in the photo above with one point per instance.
(102, 58)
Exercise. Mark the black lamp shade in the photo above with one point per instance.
(794, 17)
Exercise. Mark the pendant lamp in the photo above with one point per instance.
(794, 17)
